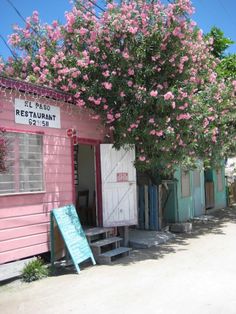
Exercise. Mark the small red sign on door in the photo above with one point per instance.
(122, 176)
(70, 132)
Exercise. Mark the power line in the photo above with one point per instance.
(86, 9)
(12, 52)
(96, 5)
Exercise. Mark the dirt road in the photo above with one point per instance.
(194, 274)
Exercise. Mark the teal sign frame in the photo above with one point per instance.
(73, 235)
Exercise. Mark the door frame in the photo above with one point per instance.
(98, 180)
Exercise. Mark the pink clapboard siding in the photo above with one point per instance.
(24, 218)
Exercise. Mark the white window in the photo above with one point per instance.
(185, 183)
(24, 164)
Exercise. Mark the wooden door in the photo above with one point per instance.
(119, 191)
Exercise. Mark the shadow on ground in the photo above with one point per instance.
(214, 225)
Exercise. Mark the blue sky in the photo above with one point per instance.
(220, 13)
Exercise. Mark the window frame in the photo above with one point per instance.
(16, 160)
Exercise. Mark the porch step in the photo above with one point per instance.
(101, 246)
(94, 234)
(109, 256)
(106, 242)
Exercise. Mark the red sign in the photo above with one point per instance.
(70, 132)
(122, 177)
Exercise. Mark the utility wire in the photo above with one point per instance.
(12, 52)
(96, 5)
(86, 9)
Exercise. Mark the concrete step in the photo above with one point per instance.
(106, 242)
(100, 246)
(110, 256)
(97, 233)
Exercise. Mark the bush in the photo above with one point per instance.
(34, 270)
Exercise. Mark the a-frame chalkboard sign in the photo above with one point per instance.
(72, 234)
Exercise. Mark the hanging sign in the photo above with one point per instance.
(122, 177)
(72, 233)
(37, 114)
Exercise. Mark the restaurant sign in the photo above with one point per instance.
(37, 114)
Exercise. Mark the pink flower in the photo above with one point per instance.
(142, 158)
(183, 116)
(130, 71)
(117, 115)
(125, 55)
(107, 85)
(133, 30)
(83, 31)
(159, 133)
(130, 83)
(151, 120)
(122, 94)
(152, 132)
(153, 93)
(168, 96)
(106, 73)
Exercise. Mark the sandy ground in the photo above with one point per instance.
(195, 273)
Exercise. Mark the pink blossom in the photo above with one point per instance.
(153, 93)
(80, 103)
(130, 72)
(107, 85)
(152, 132)
(125, 55)
(159, 133)
(122, 94)
(183, 116)
(168, 96)
(83, 31)
(106, 73)
(110, 116)
(117, 115)
(142, 158)
(130, 83)
(151, 120)
(133, 30)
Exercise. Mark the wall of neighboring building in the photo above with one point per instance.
(24, 217)
(219, 187)
(186, 196)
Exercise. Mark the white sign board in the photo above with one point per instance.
(36, 113)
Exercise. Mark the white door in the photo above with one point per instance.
(119, 193)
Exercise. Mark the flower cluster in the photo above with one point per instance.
(144, 68)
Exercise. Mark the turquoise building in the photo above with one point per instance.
(191, 193)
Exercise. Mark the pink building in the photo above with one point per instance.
(41, 173)
(46, 170)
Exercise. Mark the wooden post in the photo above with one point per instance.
(52, 240)
(160, 206)
(146, 207)
(124, 233)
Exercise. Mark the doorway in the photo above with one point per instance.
(85, 183)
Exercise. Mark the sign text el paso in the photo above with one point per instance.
(36, 113)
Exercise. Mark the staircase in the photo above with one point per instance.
(105, 247)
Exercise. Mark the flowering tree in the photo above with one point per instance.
(144, 69)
